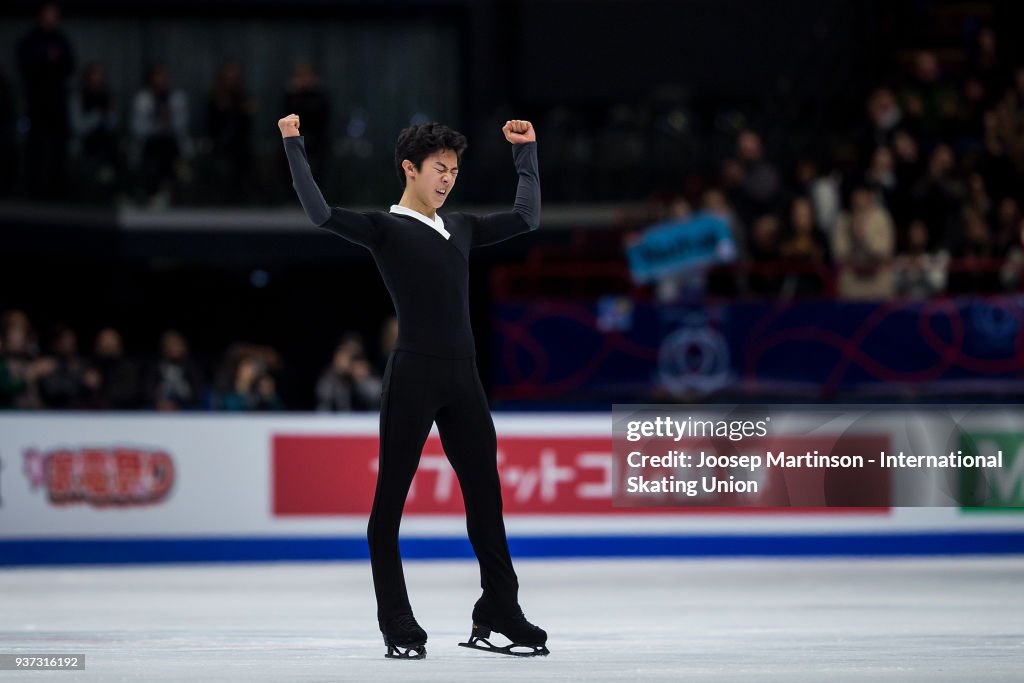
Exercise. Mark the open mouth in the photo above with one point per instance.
(441, 192)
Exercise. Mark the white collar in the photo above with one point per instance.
(436, 223)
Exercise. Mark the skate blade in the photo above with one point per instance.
(411, 652)
(488, 646)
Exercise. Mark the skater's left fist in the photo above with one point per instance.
(518, 132)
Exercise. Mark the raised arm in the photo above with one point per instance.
(525, 213)
(352, 225)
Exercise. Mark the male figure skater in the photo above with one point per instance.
(431, 375)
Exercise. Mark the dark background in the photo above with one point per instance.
(796, 71)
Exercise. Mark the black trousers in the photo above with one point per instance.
(418, 390)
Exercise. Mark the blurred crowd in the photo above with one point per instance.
(82, 144)
(58, 375)
(927, 199)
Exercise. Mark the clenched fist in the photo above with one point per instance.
(289, 126)
(517, 131)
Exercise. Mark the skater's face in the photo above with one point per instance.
(434, 180)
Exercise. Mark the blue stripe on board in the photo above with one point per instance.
(255, 549)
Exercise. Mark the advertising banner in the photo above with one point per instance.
(129, 487)
(617, 349)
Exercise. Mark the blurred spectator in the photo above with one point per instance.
(973, 111)
(229, 118)
(988, 69)
(715, 202)
(995, 164)
(976, 241)
(238, 388)
(94, 122)
(907, 159)
(938, 198)
(761, 184)
(333, 393)
(349, 382)
(174, 382)
(731, 181)
(678, 209)
(669, 287)
(45, 60)
(1012, 272)
(119, 377)
(306, 97)
(266, 397)
(163, 146)
(367, 385)
(70, 380)
(386, 342)
(13, 381)
(766, 253)
(18, 334)
(822, 190)
(254, 388)
(881, 176)
(977, 195)
(1006, 233)
(920, 273)
(930, 104)
(1008, 119)
(863, 244)
(976, 270)
(884, 116)
(20, 365)
(805, 241)
(8, 135)
(765, 239)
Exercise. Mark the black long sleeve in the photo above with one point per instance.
(525, 214)
(352, 225)
(426, 272)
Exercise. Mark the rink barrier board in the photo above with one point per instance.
(234, 497)
(164, 550)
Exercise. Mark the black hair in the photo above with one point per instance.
(416, 143)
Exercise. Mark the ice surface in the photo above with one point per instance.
(935, 619)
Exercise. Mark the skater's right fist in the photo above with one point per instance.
(289, 126)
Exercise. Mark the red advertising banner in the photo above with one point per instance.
(336, 475)
(101, 476)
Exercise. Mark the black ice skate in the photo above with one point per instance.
(404, 638)
(527, 640)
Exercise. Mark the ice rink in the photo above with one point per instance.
(937, 619)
